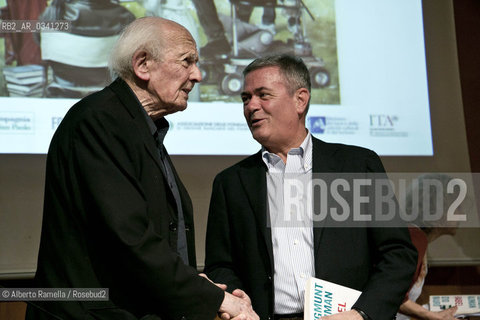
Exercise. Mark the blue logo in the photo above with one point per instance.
(317, 124)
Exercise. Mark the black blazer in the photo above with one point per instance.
(110, 219)
(379, 262)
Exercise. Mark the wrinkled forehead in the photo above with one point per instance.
(183, 36)
(177, 33)
(180, 43)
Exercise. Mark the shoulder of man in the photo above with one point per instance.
(100, 105)
(100, 111)
(250, 163)
(339, 149)
(349, 157)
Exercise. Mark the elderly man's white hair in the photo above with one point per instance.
(148, 34)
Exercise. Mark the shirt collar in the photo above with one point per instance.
(304, 151)
(159, 127)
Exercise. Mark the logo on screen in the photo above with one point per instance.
(317, 124)
(383, 120)
(17, 122)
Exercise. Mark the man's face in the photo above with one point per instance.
(269, 108)
(172, 78)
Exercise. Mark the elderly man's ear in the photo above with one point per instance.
(140, 63)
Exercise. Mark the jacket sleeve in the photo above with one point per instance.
(129, 251)
(394, 260)
(219, 262)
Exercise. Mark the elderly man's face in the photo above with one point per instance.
(269, 108)
(172, 78)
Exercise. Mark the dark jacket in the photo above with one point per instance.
(110, 219)
(378, 261)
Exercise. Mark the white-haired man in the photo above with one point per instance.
(116, 214)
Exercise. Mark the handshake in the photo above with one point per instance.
(236, 305)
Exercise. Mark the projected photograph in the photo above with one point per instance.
(366, 60)
(255, 28)
(71, 60)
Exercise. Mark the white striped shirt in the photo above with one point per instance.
(292, 234)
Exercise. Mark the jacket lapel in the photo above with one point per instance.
(323, 162)
(254, 181)
(131, 103)
(133, 106)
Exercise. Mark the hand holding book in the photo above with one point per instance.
(327, 300)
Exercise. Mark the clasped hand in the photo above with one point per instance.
(235, 306)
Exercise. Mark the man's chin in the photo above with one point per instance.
(177, 108)
(257, 136)
(182, 107)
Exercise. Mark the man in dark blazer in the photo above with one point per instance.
(249, 250)
(116, 214)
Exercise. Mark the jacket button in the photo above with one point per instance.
(187, 227)
(172, 226)
(270, 278)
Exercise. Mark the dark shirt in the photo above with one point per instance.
(159, 130)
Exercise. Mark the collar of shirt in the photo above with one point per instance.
(159, 127)
(275, 163)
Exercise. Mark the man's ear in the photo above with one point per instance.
(302, 98)
(140, 66)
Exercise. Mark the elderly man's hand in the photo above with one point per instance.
(237, 306)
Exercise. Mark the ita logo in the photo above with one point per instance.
(383, 120)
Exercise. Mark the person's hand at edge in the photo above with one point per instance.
(237, 307)
(448, 314)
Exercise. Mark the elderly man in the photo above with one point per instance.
(247, 245)
(116, 214)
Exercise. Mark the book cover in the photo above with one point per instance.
(30, 70)
(26, 80)
(37, 94)
(24, 88)
(323, 298)
(468, 305)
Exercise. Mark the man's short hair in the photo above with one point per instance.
(293, 69)
(141, 34)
